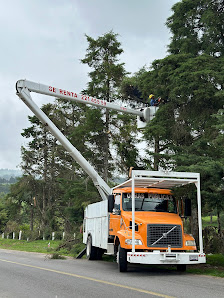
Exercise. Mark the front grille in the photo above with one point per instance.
(162, 236)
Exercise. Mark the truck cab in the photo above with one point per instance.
(159, 225)
(157, 221)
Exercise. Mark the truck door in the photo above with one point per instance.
(115, 216)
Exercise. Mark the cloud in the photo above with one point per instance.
(43, 41)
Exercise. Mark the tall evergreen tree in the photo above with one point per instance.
(197, 27)
(106, 76)
(190, 81)
(39, 161)
(58, 178)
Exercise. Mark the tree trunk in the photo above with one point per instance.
(210, 218)
(106, 148)
(31, 216)
(106, 139)
(44, 210)
(194, 224)
(219, 224)
(156, 152)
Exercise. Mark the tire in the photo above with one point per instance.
(91, 251)
(122, 259)
(181, 268)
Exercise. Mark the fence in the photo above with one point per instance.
(14, 235)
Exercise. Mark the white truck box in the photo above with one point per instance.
(96, 223)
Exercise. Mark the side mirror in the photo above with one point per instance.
(110, 203)
(187, 207)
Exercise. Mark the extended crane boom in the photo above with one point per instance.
(24, 87)
(146, 114)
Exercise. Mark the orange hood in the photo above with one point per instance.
(145, 217)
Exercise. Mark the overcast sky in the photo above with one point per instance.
(44, 40)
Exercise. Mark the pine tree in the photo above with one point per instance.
(190, 81)
(39, 161)
(106, 77)
(197, 27)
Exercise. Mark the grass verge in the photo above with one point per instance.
(214, 266)
(42, 246)
(206, 270)
(56, 248)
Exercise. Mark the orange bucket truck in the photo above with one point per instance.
(139, 221)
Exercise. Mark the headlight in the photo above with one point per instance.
(190, 243)
(129, 242)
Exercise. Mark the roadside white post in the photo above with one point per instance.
(20, 235)
(74, 235)
(63, 235)
(53, 234)
(7, 236)
(13, 235)
(133, 211)
(3, 236)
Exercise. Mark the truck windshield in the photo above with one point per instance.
(149, 202)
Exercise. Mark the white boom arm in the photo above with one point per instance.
(24, 87)
(147, 114)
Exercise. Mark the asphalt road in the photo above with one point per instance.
(25, 274)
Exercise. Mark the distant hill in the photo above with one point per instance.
(7, 173)
(8, 177)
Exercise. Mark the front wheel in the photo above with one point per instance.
(122, 259)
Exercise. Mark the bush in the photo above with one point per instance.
(11, 226)
(58, 236)
(216, 260)
(57, 256)
(31, 235)
(24, 228)
(77, 248)
(212, 241)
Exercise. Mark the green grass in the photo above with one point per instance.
(30, 246)
(207, 271)
(206, 221)
(215, 260)
(42, 246)
(214, 266)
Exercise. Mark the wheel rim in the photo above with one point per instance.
(88, 247)
(118, 257)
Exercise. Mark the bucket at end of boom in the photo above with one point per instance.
(148, 115)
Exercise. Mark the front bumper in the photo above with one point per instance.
(164, 258)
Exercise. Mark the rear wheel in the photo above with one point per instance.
(181, 268)
(122, 259)
(91, 251)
